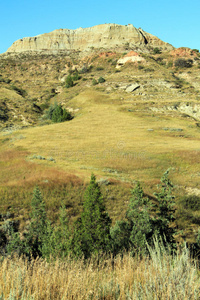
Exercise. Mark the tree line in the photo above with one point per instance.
(93, 233)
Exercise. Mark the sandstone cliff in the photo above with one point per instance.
(101, 36)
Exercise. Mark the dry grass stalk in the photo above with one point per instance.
(160, 276)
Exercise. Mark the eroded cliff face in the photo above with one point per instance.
(101, 36)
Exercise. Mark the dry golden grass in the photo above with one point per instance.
(114, 134)
(16, 170)
(104, 139)
(159, 277)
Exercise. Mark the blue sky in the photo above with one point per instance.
(176, 22)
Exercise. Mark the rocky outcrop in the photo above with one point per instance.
(105, 36)
(132, 56)
(132, 87)
(184, 52)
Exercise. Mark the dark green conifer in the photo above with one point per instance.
(165, 211)
(92, 234)
(139, 220)
(39, 227)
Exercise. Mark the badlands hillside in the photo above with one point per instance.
(101, 36)
(135, 102)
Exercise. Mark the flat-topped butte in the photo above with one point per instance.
(101, 36)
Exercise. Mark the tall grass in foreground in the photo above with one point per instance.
(159, 276)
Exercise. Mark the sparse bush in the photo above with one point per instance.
(170, 64)
(126, 45)
(191, 202)
(157, 51)
(113, 62)
(196, 50)
(69, 82)
(183, 63)
(99, 68)
(85, 69)
(94, 82)
(101, 80)
(3, 111)
(76, 76)
(149, 70)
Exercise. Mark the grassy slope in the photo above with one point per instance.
(114, 134)
(135, 145)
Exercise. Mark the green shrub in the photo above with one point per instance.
(191, 202)
(183, 63)
(69, 82)
(196, 50)
(149, 70)
(99, 68)
(126, 45)
(170, 64)
(60, 114)
(57, 114)
(94, 82)
(156, 51)
(3, 112)
(101, 80)
(76, 76)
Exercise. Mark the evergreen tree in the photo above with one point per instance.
(57, 113)
(120, 235)
(144, 221)
(92, 233)
(60, 241)
(139, 221)
(165, 211)
(60, 114)
(39, 229)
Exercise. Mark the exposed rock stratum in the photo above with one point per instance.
(101, 36)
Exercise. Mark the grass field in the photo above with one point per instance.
(111, 141)
(159, 276)
(119, 136)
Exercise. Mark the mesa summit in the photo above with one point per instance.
(106, 36)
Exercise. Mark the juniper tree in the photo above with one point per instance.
(92, 232)
(39, 228)
(60, 114)
(60, 240)
(133, 233)
(165, 210)
(37, 235)
(139, 220)
(120, 235)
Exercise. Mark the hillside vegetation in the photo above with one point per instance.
(128, 120)
(122, 136)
